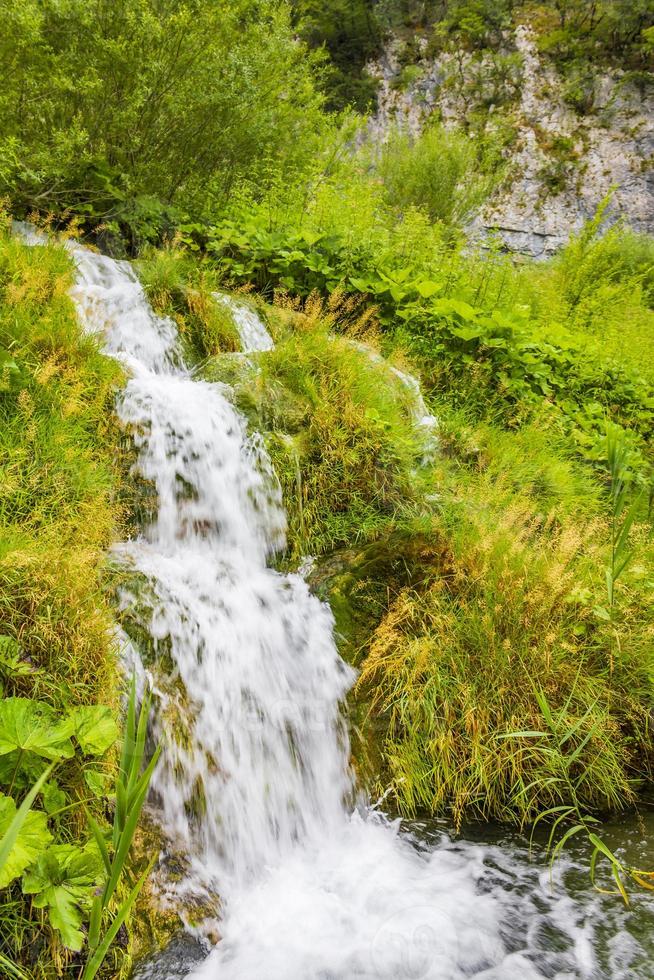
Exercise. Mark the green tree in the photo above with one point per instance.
(350, 33)
(103, 98)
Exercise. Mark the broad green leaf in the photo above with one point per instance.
(96, 781)
(20, 769)
(63, 880)
(427, 287)
(32, 837)
(459, 307)
(54, 798)
(467, 333)
(32, 726)
(95, 728)
(10, 658)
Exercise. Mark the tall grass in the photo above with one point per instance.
(57, 500)
(560, 744)
(60, 508)
(452, 667)
(132, 783)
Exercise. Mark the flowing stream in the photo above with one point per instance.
(254, 783)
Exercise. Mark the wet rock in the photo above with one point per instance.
(176, 960)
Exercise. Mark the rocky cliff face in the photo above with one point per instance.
(561, 162)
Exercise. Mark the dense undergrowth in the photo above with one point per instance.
(567, 342)
(60, 509)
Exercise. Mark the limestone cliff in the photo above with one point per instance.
(561, 161)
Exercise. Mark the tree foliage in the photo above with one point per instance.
(351, 34)
(107, 101)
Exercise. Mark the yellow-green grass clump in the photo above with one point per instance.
(60, 509)
(455, 669)
(339, 431)
(180, 286)
(58, 502)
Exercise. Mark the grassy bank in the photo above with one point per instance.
(60, 509)
(469, 587)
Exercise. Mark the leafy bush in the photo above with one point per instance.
(350, 32)
(74, 882)
(499, 360)
(143, 105)
(615, 256)
(476, 23)
(438, 172)
(583, 30)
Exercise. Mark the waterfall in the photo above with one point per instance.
(251, 329)
(254, 782)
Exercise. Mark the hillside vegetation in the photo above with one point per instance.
(492, 586)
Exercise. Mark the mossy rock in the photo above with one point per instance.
(360, 584)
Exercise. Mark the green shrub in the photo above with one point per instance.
(522, 342)
(131, 119)
(350, 32)
(438, 172)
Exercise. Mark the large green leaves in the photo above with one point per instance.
(32, 727)
(25, 839)
(62, 880)
(95, 728)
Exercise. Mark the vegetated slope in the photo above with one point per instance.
(558, 94)
(60, 510)
(470, 587)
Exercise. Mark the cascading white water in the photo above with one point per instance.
(254, 781)
(251, 329)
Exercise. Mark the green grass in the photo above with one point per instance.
(63, 501)
(339, 431)
(58, 506)
(514, 606)
(180, 287)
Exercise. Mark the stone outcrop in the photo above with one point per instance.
(561, 163)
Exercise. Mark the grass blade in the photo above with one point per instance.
(94, 964)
